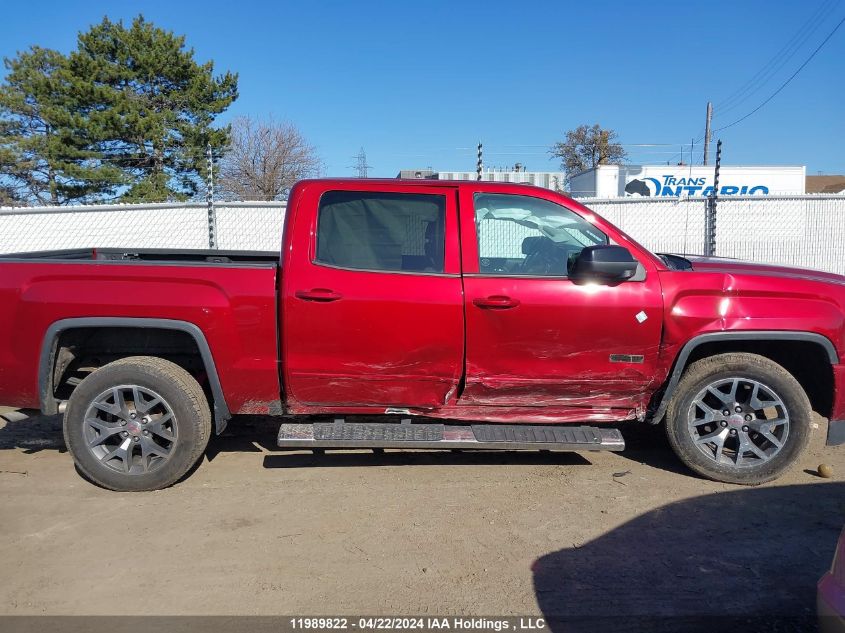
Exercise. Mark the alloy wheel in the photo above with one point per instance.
(738, 422)
(130, 429)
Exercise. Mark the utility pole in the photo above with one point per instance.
(707, 132)
(209, 197)
(361, 165)
(479, 166)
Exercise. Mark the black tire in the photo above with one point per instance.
(188, 425)
(774, 380)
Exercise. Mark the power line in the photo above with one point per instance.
(780, 59)
(791, 77)
(681, 154)
(731, 102)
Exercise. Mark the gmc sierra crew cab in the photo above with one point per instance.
(423, 315)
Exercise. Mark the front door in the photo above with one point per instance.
(372, 311)
(537, 338)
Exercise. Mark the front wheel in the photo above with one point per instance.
(739, 418)
(139, 423)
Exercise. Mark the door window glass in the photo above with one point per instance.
(382, 231)
(521, 235)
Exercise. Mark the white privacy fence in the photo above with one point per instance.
(248, 226)
(806, 230)
(797, 230)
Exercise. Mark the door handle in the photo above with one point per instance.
(323, 295)
(496, 302)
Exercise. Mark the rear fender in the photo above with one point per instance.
(50, 406)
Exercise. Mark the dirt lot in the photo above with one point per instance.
(255, 530)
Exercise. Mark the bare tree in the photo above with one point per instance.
(264, 160)
(586, 147)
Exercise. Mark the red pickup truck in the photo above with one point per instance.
(464, 314)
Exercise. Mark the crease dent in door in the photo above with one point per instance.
(591, 388)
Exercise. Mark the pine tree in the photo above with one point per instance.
(44, 154)
(150, 106)
(126, 115)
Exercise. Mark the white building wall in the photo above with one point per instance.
(553, 180)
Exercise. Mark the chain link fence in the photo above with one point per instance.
(796, 230)
(661, 225)
(246, 226)
(806, 230)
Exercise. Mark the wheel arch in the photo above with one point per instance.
(49, 351)
(722, 342)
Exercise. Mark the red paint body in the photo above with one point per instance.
(456, 345)
(234, 307)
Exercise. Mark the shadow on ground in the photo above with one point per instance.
(31, 431)
(744, 560)
(646, 444)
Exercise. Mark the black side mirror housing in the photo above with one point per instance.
(604, 262)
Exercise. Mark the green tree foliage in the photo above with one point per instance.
(151, 105)
(44, 148)
(586, 147)
(127, 114)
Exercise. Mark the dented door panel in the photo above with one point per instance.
(564, 344)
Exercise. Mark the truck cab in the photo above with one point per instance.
(463, 301)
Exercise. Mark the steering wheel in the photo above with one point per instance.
(551, 260)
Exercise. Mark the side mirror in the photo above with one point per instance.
(604, 263)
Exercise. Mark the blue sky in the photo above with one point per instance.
(417, 84)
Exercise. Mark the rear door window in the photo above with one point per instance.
(377, 231)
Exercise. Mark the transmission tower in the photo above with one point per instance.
(361, 165)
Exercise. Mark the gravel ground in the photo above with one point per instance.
(255, 530)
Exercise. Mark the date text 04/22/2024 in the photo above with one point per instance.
(420, 623)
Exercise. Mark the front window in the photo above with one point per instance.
(521, 235)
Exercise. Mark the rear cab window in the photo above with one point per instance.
(381, 231)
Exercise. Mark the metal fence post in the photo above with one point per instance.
(710, 227)
(710, 214)
(209, 199)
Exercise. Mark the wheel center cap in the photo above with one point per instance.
(134, 427)
(736, 420)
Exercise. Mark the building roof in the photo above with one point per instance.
(825, 184)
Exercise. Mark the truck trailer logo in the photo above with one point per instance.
(677, 187)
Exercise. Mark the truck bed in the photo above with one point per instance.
(229, 298)
(210, 256)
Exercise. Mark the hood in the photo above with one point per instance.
(737, 266)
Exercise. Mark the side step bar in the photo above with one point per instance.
(340, 434)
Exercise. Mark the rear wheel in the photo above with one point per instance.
(739, 418)
(139, 423)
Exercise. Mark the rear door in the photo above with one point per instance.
(372, 297)
(536, 337)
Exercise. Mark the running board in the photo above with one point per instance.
(341, 434)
